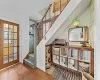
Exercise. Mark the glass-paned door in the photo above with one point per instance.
(10, 43)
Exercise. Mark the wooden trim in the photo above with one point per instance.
(92, 64)
(2, 40)
(86, 33)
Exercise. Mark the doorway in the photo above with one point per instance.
(9, 43)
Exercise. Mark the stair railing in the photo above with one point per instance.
(50, 17)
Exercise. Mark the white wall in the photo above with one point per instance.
(97, 41)
(19, 11)
(73, 9)
(41, 55)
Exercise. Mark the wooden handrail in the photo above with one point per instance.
(44, 15)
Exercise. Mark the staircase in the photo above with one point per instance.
(29, 59)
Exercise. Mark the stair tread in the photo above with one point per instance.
(31, 55)
(29, 61)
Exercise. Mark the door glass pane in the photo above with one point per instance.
(11, 35)
(5, 51)
(15, 56)
(5, 43)
(11, 43)
(11, 28)
(5, 60)
(5, 27)
(15, 42)
(5, 55)
(10, 58)
(15, 28)
(10, 54)
(15, 35)
(6, 35)
(15, 50)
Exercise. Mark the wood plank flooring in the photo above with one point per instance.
(22, 72)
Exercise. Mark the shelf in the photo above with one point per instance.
(63, 56)
(56, 54)
(72, 58)
(84, 61)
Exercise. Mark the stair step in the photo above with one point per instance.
(31, 57)
(29, 63)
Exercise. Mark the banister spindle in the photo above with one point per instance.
(54, 9)
(60, 7)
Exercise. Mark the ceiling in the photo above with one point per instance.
(30, 7)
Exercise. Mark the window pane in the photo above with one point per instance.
(5, 43)
(6, 35)
(5, 55)
(15, 42)
(15, 28)
(5, 27)
(15, 56)
(15, 49)
(10, 50)
(5, 51)
(11, 43)
(11, 28)
(11, 35)
(15, 35)
(5, 60)
(10, 57)
(10, 54)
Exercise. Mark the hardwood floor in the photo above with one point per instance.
(22, 72)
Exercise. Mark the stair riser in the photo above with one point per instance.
(30, 65)
(31, 58)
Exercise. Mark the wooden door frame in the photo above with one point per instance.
(1, 42)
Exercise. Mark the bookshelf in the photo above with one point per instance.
(74, 57)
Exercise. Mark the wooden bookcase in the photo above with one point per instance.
(74, 57)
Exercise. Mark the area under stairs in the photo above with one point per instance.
(29, 61)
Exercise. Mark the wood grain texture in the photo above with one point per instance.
(22, 72)
(10, 47)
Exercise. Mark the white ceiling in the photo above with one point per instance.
(31, 7)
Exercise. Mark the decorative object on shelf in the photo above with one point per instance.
(48, 56)
(83, 44)
(78, 34)
(76, 23)
(60, 42)
(66, 43)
